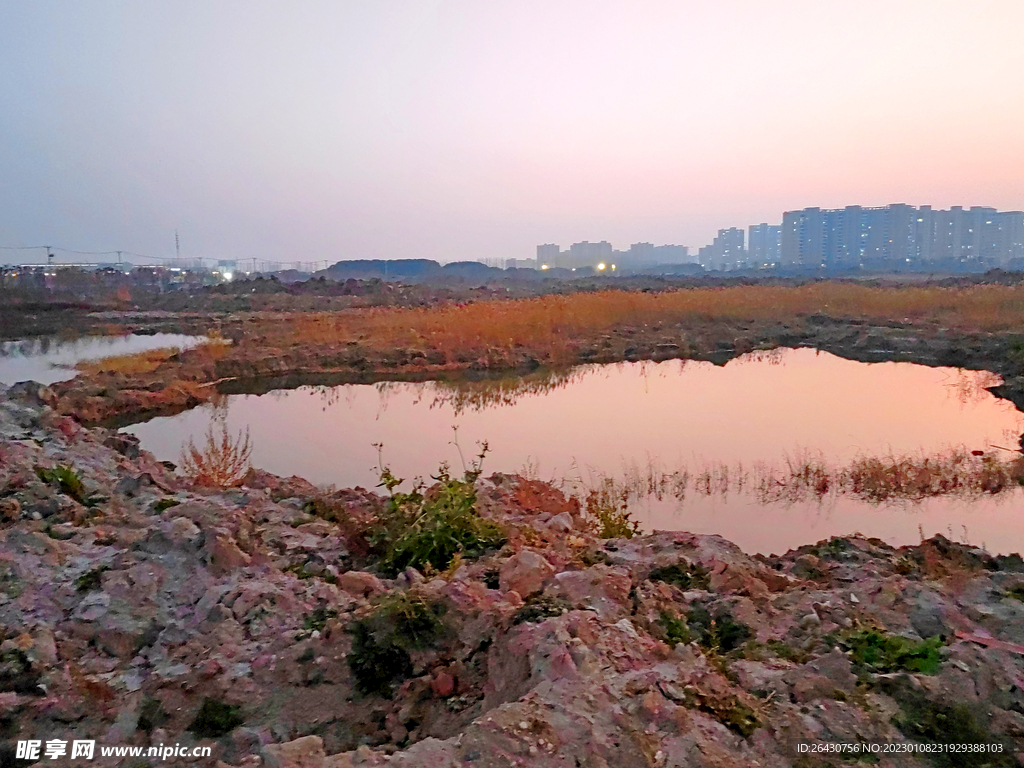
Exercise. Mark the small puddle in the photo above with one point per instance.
(760, 421)
(48, 359)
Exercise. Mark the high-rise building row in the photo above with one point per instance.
(899, 233)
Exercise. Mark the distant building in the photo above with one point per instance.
(587, 254)
(549, 254)
(726, 250)
(900, 234)
(764, 244)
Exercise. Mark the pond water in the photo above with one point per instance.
(782, 410)
(48, 359)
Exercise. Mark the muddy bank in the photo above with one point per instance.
(253, 364)
(138, 609)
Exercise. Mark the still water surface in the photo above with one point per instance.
(47, 360)
(769, 408)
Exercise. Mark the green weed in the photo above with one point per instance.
(165, 503)
(91, 580)
(607, 506)
(215, 719)
(932, 723)
(881, 652)
(681, 575)
(1016, 592)
(382, 640)
(675, 628)
(720, 632)
(539, 608)
(65, 478)
(427, 530)
(317, 620)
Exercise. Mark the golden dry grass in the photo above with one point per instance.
(551, 322)
(140, 362)
(150, 360)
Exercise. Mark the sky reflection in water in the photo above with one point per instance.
(766, 407)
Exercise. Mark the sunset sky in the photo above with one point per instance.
(464, 130)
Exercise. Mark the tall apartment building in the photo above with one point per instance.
(549, 254)
(849, 237)
(587, 254)
(764, 244)
(726, 250)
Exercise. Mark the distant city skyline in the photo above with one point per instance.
(459, 130)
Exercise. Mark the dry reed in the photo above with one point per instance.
(551, 322)
(808, 477)
(221, 462)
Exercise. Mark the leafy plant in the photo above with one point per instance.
(66, 478)
(221, 462)
(539, 608)
(956, 723)
(882, 652)
(682, 575)
(674, 627)
(215, 718)
(91, 580)
(720, 632)
(382, 640)
(427, 530)
(317, 620)
(608, 508)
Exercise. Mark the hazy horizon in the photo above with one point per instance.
(457, 130)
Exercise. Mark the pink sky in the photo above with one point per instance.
(460, 130)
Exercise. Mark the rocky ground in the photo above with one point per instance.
(138, 609)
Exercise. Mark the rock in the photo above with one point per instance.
(442, 684)
(525, 572)
(601, 588)
(131, 618)
(224, 554)
(361, 583)
(306, 752)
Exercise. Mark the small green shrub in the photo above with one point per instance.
(1016, 592)
(674, 627)
(881, 652)
(91, 580)
(608, 508)
(720, 632)
(426, 531)
(317, 620)
(382, 640)
(932, 723)
(66, 479)
(165, 503)
(727, 709)
(215, 719)
(681, 575)
(151, 714)
(17, 674)
(539, 608)
(788, 652)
